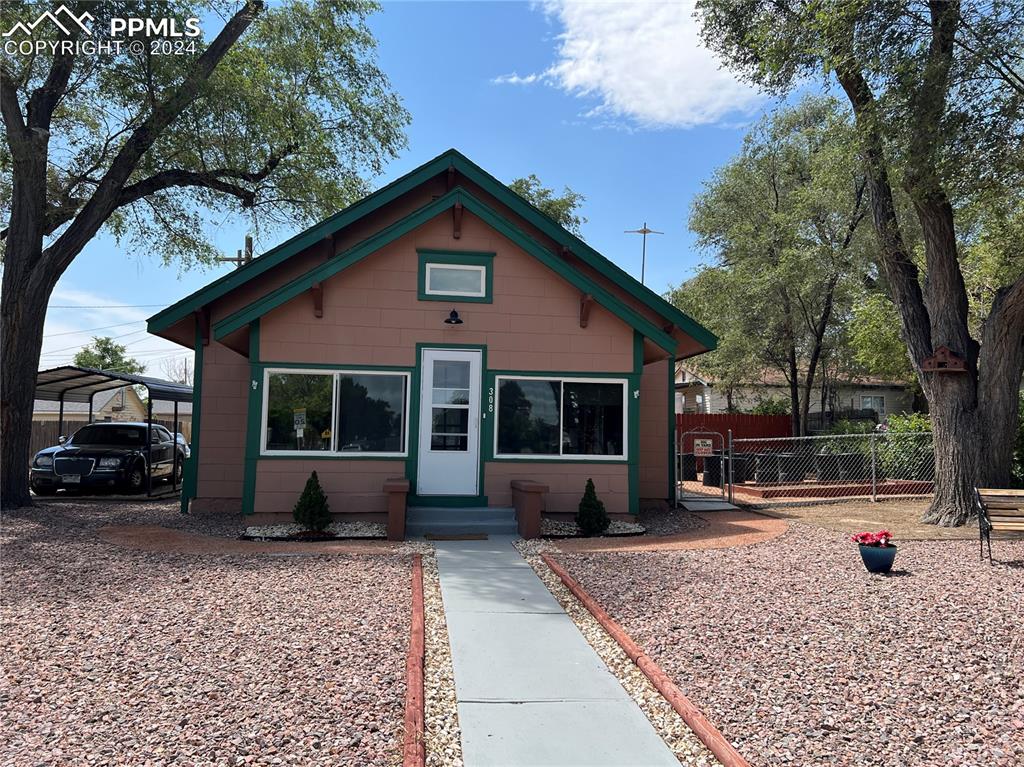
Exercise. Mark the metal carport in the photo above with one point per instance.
(75, 384)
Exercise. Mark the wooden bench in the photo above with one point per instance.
(998, 510)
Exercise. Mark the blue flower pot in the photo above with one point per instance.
(878, 559)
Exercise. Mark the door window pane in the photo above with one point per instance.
(528, 416)
(371, 413)
(451, 374)
(448, 420)
(592, 417)
(299, 411)
(455, 280)
(449, 443)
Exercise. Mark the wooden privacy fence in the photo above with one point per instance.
(45, 433)
(743, 426)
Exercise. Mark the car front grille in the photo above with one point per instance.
(83, 466)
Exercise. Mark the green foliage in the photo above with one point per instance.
(771, 406)
(908, 423)
(783, 223)
(563, 209)
(104, 354)
(846, 426)
(876, 341)
(592, 518)
(312, 511)
(284, 130)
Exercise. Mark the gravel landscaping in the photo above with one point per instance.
(441, 715)
(801, 657)
(562, 528)
(340, 530)
(119, 656)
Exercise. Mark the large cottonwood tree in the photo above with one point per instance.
(280, 115)
(937, 89)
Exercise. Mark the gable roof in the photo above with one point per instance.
(440, 164)
(357, 253)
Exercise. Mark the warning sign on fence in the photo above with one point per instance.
(702, 447)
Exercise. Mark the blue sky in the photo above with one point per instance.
(620, 102)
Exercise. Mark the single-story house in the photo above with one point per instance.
(163, 411)
(122, 404)
(698, 393)
(441, 331)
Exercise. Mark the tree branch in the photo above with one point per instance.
(105, 198)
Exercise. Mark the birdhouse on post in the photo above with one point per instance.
(944, 361)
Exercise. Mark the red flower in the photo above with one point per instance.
(882, 538)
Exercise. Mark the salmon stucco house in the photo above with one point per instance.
(440, 343)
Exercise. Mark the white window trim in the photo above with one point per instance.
(571, 457)
(430, 265)
(335, 373)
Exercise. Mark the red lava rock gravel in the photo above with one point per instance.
(113, 656)
(801, 657)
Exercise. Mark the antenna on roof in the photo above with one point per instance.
(240, 259)
(643, 258)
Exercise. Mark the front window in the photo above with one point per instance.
(448, 280)
(455, 275)
(560, 418)
(335, 412)
(875, 403)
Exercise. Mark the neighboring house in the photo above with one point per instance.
(164, 412)
(698, 394)
(122, 404)
(442, 330)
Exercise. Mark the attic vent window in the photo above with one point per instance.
(455, 276)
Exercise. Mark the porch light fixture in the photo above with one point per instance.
(453, 318)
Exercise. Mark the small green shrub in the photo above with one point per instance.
(909, 423)
(591, 519)
(312, 511)
(771, 406)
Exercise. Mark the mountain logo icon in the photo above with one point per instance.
(70, 21)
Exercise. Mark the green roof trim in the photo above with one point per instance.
(358, 252)
(440, 164)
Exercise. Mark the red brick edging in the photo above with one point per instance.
(702, 728)
(414, 752)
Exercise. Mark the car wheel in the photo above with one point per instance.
(135, 481)
(179, 472)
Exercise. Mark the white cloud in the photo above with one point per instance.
(643, 63)
(515, 79)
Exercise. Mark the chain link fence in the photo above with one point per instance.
(806, 468)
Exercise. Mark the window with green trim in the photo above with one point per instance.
(569, 418)
(455, 276)
(346, 413)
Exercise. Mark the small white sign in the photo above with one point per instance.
(703, 447)
(299, 417)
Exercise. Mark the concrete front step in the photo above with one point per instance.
(421, 520)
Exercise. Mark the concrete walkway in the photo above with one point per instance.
(530, 690)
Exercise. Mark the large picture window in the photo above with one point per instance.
(560, 418)
(335, 412)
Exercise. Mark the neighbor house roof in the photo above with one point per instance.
(454, 161)
(776, 378)
(53, 406)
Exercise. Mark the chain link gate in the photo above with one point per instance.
(700, 468)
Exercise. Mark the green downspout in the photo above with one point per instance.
(191, 482)
(252, 432)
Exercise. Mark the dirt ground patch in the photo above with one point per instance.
(902, 517)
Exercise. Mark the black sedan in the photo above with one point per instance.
(106, 456)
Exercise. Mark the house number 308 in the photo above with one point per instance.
(490, 400)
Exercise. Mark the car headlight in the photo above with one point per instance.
(44, 460)
(109, 463)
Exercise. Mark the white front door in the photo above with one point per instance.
(449, 447)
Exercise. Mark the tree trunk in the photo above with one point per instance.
(21, 336)
(958, 436)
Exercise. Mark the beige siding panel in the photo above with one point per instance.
(372, 316)
(352, 487)
(222, 436)
(566, 482)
